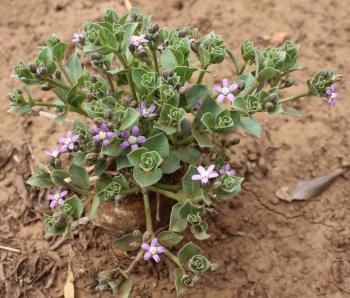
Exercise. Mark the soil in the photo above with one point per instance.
(264, 247)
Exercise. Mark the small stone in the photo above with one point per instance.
(252, 156)
(283, 194)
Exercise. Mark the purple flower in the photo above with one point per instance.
(198, 105)
(54, 153)
(103, 133)
(138, 41)
(152, 250)
(132, 139)
(204, 175)
(78, 37)
(226, 91)
(68, 142)
(227, 169)
(146, 112)
(57, 197)
(332, 95)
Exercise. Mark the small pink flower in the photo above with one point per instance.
(152, 250)
(138, 41)
(146, 112)
(103, 133)
(204, 175)
(78, 37)
(57, 197)
(225, 91)
(332, 95)
(132, 139)
(68, 142)
(54, 153)
(227, 169)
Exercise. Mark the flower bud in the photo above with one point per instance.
(194, 46)
(187, 281)
(183, 32)
(45, 87)
(90, 156)
(273, 98)
(96, 57)
(58, 74)
(32, 68)
(93, 79)
(269, 106)
(154, 29)
(241, 85)
(42, 71)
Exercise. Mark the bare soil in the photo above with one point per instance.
(264, 247)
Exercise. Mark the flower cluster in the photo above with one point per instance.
(150, 127)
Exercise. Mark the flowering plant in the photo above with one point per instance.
(152, 129)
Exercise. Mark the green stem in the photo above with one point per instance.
(56, 83)
(201, 75)
(290, 98)
(251, 88)
(63, 70)
(172, 257)
(168, 186)
(148, 214)
(134, 262)
(123, 61)
(130, 191)
(155, 61)
(168, 194)
(243, 68)
(110, 82)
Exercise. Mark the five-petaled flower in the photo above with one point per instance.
(146, 112)
(68, 142)
(332, 95)
(227, 169)
(103, 133)
(132, 139)
(78, 37)
(225, 91)
(138, 41)
(152, 250)
(205, 174)
(54, 153)
(57, 197)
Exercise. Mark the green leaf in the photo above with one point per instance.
(74, 68)
(240, 104)
(79, 176)
(129, 242)
(208, 105)
(79, 158)
(202, 139)
(125, 288)
(130, 117)
(190, 187)
(185, 73)
(149, 178)
(171, 58)
(137, 74)
(200, 231)
(170, 164)
(180, 288)
(251, 126)
(94, 207)
(123, 162)
(177, 223)
(188, 155)
(195, 94)
(290, 111)
(169, 238)
(45, 57)
(58, 176)
(187, 252)
(165, 128)
(278, 109)
(58, 51)
(267, 73)
(113, 149)
(134, 156)
(42, 181)
(76, 204)
(190, 208)
(159, 143)
(100, 167)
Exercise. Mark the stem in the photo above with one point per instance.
(110, 82)
(168, 186)
(243, 68)
(251, 88)
(58, 84)
(148, 215)
(201, 75)
(130, 191)
(167, 193)
(172, 257)
(134, 262)
(63, 70)
(290, 98)
(155, 61)
(128, 75)
(158, 207)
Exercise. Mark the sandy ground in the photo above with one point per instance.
(287, 249)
